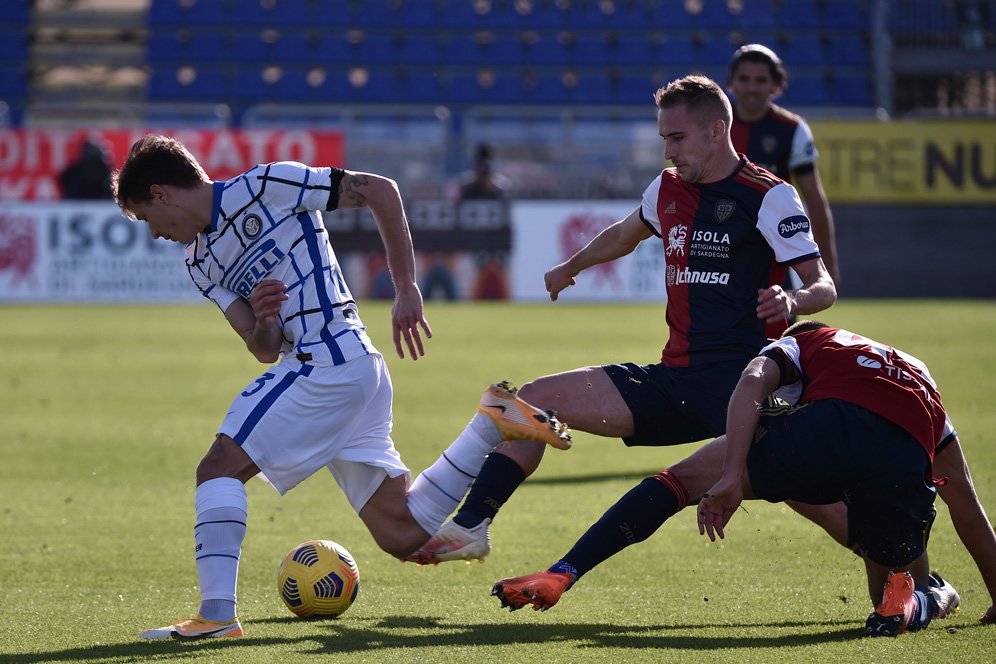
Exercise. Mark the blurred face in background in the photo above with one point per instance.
(753, 88)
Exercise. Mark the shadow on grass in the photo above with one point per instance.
(352, 636)
(594, 477)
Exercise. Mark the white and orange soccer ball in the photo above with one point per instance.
(318, 579)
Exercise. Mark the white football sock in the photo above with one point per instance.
(221, 507)
(438, 489)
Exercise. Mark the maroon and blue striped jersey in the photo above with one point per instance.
(780, 142)
(830, 363)
(723, 242)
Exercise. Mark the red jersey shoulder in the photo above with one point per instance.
(758, 178)
(784, 116)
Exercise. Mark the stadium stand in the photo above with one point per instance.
(215, 62)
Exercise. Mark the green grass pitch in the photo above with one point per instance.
(107, 409)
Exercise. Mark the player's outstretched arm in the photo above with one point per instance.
(758, 380)
(616, 241)
(816, 294)
(382, 197)
(969, 517)
(810, 188)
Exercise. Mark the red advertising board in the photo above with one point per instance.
(31, 159)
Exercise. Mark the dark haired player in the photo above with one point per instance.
(855, 421)
(256, 246)
(778, 140)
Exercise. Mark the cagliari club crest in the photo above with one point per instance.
(724, 210)
(769, 143)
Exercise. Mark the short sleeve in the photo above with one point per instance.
(648, 208)
(784, 224)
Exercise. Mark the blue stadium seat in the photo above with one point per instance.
(210, 85)
(544, 15)
(465, 49)
(756, 15)
(715, 15)
(421, 88)
(669, 16)
(635, 90)
(633, 49)
(333, 48)
(848, 14)
(248, 86)
(506, 49)
(677, 50)
(713, 49)
(548, 51)
(628, 15)
(419, 48)
(16, 13)
(594, 88)
(799, 14)
(548, 88)
(418, 14)
(850, 89)
(378, 49)
(279, 14)
(588, 50)
(208, 47)
(848, 49)
(805, 89)
(802, 50)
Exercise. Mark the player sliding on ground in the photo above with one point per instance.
(866, 426)
(257, 247)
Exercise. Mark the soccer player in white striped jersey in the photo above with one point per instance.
(257, 247)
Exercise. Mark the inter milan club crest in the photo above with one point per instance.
(724, 209)
(251, 226)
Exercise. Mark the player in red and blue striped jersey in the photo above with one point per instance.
(846, 419)
(777, 139)
(729, 230)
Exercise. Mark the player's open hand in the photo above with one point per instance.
(717, 507)
(407, 316)
(267, 298)
(773, 304)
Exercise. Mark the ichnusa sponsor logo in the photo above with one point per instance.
(793, 225)
(686, 276)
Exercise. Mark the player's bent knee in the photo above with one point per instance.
(225, 459)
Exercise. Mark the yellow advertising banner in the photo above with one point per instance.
(917, 161)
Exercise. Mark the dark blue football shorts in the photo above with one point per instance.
(827, 451)
(674, 405)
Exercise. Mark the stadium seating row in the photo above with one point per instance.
(208, 46)
(531, 14)
(249, 85)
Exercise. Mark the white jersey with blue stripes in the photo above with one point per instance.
(266, 224)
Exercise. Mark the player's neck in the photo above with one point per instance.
(748, 116)
(723, 166)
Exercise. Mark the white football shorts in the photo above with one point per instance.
(300, 417)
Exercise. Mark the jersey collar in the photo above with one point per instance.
(219, 189)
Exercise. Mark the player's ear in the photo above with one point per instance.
(158, 193)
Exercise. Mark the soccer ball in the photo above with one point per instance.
(319, 579)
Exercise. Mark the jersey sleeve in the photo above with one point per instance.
(784, 224)
(803, 155)
(222, 297)
(648, 208)
(299, 187)
(785, 353)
